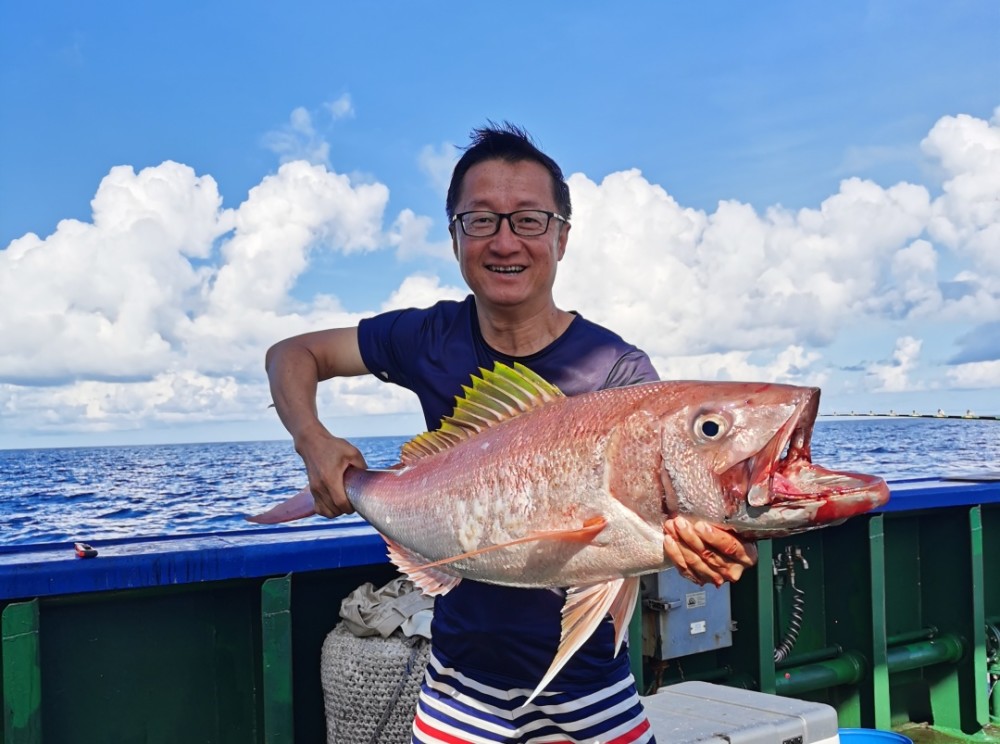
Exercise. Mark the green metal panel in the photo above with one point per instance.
(752, 654)
(850, 586)
(22, 681)
(213, 663)
(909, 696)
(276, 637)
(991, 603)
(951, 580)
(880, 689)
(153, 666)
(979, 708)
(991, 561)
(766, 627)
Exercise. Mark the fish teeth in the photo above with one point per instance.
(759, 494)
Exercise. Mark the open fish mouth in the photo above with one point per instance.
(786, 493)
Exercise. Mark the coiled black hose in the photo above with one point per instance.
(795, 622)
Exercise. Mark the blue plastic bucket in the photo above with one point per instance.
(871, 736)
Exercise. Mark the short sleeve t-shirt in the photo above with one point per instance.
(501, 635)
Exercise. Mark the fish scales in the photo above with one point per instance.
(548, 467)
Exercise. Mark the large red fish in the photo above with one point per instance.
(523, 486)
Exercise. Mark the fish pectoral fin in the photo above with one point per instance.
(584, 610)
(424, 573)
(431, 581)
(591, 528)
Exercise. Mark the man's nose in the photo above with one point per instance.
(505, 237)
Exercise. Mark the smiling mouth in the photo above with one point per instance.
(506, 269)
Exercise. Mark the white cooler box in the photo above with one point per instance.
(703, 713)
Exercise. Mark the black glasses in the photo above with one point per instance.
(524, 222)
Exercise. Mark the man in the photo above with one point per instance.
(509, 210)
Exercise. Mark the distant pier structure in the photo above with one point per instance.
(940, 414)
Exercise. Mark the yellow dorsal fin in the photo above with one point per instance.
(496, 395)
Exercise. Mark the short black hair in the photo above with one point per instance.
(512, 144)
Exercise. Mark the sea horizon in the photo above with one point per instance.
(835, 416)
(108, 491)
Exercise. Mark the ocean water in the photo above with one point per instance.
(95, 493)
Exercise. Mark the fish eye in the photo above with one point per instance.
(710, 427)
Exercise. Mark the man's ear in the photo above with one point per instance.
(563, 239)
(454, 239)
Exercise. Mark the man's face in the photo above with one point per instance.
(505, 270)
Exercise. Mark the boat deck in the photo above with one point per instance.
(891, 626)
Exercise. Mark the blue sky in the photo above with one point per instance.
(797, 191)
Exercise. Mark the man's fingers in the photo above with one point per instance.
(326, 500)
(727, 544)
(343, 504)
(673, 551)
(323, 502)
(687, 534)
(687, 562)
(327, 459)
(732, 571)
(330, 506)
(715, 544)
(703, 573)
(703, 552)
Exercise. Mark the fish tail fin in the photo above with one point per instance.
(584, 610)
(298, 506)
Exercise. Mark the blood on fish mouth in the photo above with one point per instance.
(753, 480)
(782, 477)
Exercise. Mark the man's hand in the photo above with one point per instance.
(295, 367)
(327, 458)
(703, 552)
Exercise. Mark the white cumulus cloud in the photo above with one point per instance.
(160, 307)
(410, 236)
(688, 282)
(976, 375)
(894, 376)
(165, 297)
(105, 299)
(967, 215)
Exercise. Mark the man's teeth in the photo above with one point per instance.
(507, 269)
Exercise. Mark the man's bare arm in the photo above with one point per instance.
(295, 367)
